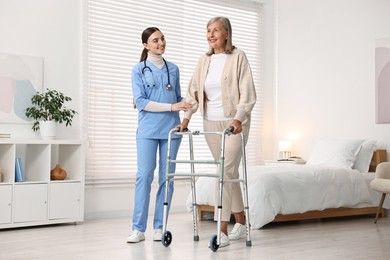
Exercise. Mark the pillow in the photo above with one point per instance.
(364, 156)
(338, 153)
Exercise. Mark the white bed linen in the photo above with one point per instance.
(288, 189)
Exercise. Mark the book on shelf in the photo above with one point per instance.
(19, 171)
(4, 135)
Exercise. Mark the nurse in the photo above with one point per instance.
(157, 96)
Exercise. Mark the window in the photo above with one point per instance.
(112, 46)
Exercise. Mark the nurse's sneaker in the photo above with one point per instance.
(237, 232)
(157, 235)
(136, 237)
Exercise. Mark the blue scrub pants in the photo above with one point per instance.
(147, 159)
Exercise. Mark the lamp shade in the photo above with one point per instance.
(285, 146)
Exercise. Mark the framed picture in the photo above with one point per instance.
(21, 76)
(382, 81)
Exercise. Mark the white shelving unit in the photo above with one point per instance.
(39, 200)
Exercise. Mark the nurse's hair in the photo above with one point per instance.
(144, 37)
(229, 47)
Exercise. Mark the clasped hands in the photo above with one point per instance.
(181, 106)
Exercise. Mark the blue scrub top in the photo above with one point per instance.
(151, 86)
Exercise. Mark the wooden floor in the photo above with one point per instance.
(340, 238)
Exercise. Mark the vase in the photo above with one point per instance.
(48, 129)
(57, 173)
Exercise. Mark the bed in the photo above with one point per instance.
(333, 183)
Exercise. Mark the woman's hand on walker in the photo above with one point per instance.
(183, 127)
(237, 128)
(181, 106)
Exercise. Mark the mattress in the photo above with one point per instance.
(293, 188)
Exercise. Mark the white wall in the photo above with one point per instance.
(50, 29)
(102, 201)
(268, 145)
(326, 70)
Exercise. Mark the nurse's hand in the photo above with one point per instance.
(183, 127)
(181, 106)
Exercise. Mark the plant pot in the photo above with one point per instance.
(48, 129)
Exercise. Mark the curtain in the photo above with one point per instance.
(112, 46)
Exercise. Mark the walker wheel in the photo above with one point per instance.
(166, 238)
(213, 243)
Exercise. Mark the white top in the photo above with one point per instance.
(157, 60)
(214, 109)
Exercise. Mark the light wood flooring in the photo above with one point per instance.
(341, 238)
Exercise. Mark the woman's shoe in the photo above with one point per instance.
(224, 240)
(237, 232)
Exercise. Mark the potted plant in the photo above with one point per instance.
(48, 110)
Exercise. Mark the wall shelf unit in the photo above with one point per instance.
(39, 200)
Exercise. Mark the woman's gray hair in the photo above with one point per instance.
(229, 47)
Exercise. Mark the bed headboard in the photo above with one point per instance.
(379, 156)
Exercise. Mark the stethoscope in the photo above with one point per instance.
(168, 86)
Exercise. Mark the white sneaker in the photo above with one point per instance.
(237, 232)
(157, 235)
(136, 237)
(224, 240)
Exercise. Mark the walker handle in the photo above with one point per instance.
(229, 130)
(177, 129)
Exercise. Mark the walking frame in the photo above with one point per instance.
(215, 240)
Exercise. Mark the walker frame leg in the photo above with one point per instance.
(215, 240)
(245, 191)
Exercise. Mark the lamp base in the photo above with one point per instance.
(284, 155)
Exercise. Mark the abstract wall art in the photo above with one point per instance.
(382, 81)
(21, 76)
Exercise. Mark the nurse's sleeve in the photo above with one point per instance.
(139, 93)
(157, 107)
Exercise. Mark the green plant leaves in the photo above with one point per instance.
(49, 106)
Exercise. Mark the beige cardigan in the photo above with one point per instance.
(238, 89)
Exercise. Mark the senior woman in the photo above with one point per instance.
(222, 87)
